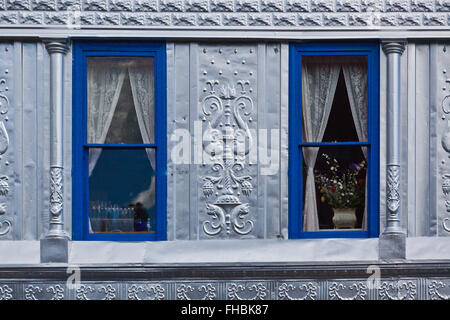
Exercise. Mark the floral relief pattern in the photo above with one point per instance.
(289, 291)
(392, 188)
(6, 292)
(439, 290)
(345, 291)
(398, 290)
(445, 143)
(339, 289)
(5, 224)
(256, 291)
(88, 292)
(146, 292)
(201, 292)
(226, 113)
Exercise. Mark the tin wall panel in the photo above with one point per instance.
(441, 167)
(10, 225)
(24, 70)
(418, 139)
(244, 82)
(29, 142)
(425, 68)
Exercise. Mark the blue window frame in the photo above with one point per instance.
(296, 143)
(84, 50)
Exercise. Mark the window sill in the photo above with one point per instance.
(225, 252)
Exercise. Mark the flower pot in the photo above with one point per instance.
(344, 218)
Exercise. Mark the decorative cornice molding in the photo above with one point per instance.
(299, 14)
(394, 47)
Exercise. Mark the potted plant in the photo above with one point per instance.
(343, 189)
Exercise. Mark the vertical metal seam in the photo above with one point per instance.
(433, 214)
(261, 83)
(193, 110)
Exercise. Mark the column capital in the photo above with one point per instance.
(56, 46)
(393, 46)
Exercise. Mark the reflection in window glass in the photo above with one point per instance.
(122, 191)
(120, 100)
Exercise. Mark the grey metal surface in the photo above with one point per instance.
(423, 197)
(393, 50)
(250, 73)
(441, 102)
(76, 17)
(10, 222)
(57, 50)
(319, 282)
(25, 67)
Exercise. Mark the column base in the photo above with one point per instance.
(54, 250)
(392, 246)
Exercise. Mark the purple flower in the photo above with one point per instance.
(353, 166)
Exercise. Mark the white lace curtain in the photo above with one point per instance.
(319, 80)
(355, 75)
(104, 84)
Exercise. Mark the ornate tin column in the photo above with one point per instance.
(392, 240)
(54, 245)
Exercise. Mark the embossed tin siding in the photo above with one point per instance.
(24, 94)
(356, 289)
(24, 163)
(250, 81)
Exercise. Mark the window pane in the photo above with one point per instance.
(334, 193)
(122, 190)
(120, 100)
(334, 98)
